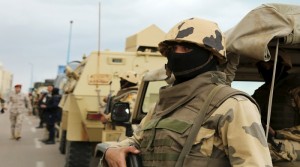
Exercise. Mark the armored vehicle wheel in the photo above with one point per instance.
(62, 142)
(78, 154)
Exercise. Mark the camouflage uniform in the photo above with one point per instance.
(127, 95)
(232, 133)
(285, 117)
(289, 137)
(128, 91)
(19, 103)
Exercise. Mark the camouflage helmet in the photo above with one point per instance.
(201, 32)
(130, 76)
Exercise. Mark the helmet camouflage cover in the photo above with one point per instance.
(201, 32)
(130, 76)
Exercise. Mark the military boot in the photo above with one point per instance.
(17, 136)
(49, 142)
(12, 137)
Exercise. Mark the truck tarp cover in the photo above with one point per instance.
(255, 32)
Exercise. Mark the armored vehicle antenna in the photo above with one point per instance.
(69, 43)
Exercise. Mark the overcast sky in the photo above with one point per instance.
(35, 33)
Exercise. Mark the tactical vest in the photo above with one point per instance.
(166, 134)
(283, 115)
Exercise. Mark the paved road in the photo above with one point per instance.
(29, 151)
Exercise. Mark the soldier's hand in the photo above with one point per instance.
(2, 111)
(105, 99)
(116, 157)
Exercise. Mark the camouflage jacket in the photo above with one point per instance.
(127, 95)
(233, 131)
(288, 138)
(285, 117)
(19, 103)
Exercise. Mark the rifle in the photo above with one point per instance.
(109, 100)
(132, 160)
(271, 138)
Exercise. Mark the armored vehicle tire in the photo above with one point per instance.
(79, 154)
(63, 142)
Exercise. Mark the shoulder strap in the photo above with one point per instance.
(125, 94)
(225, 93)
(212, 102)
(189, 142)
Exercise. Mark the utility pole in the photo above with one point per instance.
(31, 75)
(69, 44)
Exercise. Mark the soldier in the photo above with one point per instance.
(19, 103)
(127, 93)
(41, 100)
(51, 109)
(2, 102)
(198, 121)
(284, 136)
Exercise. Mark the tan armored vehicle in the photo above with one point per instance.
(38, 89)
(93, 80)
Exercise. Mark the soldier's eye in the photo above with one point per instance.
(187, 48)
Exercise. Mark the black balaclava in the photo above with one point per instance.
(126, 84)
(186, 66)
(55, 91)
(267, 73)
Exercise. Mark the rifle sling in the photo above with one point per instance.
(195, 128)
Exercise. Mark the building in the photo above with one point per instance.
(6, 80)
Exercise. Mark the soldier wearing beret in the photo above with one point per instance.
(19, 104)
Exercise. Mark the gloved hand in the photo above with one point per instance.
(2, 111)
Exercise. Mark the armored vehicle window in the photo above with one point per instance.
(151, 95)
(116, 60)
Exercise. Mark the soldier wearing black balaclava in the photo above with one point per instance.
(198, 121)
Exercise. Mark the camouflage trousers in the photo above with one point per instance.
(290, 145)
(16, 120)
